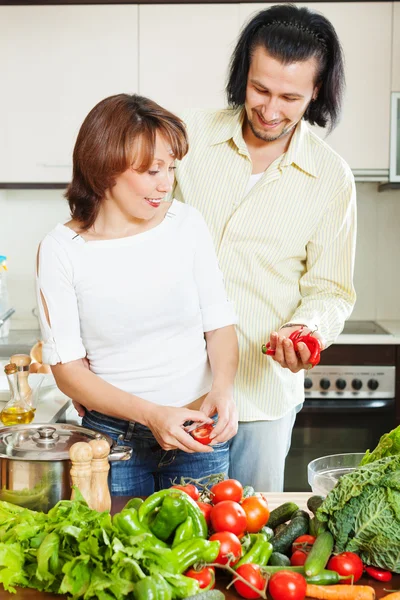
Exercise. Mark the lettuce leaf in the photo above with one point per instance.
(388, 445)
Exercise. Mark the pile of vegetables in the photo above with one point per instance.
(363, 510)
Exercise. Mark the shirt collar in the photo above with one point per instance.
(299, 151)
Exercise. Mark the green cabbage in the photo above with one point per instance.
(363, 513)
(388, 445)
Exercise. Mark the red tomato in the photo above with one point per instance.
(257, 513)
(206, 510)
(346, 563)
(303, 542)
(205, 577)
(228, 516)
(190, 489)
(252, 574)
(202, 434)
(286, 585)
(298, 558)
(230, 489)
(229, 544)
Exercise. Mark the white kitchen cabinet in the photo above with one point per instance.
(396, 48)
(184, 52)
(56, 63)
(365, 31)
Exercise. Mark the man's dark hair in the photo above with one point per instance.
(291, 34)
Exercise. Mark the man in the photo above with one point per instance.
(281, 207)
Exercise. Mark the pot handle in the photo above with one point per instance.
(120, 453)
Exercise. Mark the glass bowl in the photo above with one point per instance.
(323, 473)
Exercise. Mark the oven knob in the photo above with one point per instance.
(357, 384)
(373, 384)
(307, 383)
(325, 383)
(340, 384)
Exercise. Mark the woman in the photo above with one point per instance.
(134, 315)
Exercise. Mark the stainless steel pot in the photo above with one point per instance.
(35, 465)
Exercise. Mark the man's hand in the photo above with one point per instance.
(221, 402)
(285, 354)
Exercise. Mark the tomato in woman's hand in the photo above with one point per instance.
(206, 509)
(205, 577)
(298, 558)
(190, 489)
(252, 574)
(286, 585)
(228, 516)
(257, 513)
(346, 563)
(303, 542)
(229, 545)
(202, 434)
(229, 489)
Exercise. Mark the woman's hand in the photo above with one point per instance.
(220, 401)
(285, 354)
(167, 425)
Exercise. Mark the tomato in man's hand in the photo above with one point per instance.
(303, 542)
(228, 516)
(346, 563)
(286, 585)
(253, 575)
(206, 509)
(202, 434)
(257, 513)
(229, 489)
(298, 558)
(230, 547)
(205, 577)
(190, 489)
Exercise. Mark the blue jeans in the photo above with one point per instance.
(258, 452)
(151, 468)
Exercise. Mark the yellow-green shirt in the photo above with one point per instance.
(286, 248)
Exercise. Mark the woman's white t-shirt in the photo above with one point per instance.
(137, 307)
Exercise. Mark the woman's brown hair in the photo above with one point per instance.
(118, 132)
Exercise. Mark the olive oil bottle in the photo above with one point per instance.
(17, 411)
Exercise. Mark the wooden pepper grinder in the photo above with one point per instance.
(81, 455)
(23, 361)
(99, 491)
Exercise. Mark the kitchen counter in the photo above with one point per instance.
(274, 500)
(392, 327)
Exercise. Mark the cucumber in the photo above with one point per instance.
(279, 528)
(301, 513)
(279, 560)
(317, 526)
(248, 491)
(281, 514)
(319, 554)
(267, 531)
(284, 539)
(314, 502)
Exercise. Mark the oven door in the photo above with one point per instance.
(326, 427)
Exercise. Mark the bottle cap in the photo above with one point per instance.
(10, 369)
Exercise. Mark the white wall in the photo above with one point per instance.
(26, 216)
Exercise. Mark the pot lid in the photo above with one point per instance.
(44, 441)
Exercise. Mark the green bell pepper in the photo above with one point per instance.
(183, 532)
(172, 513)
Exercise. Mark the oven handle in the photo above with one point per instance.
(365, 405)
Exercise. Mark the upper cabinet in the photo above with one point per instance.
(396, 48)
(365, 31)
(56, 63)
(184, 52)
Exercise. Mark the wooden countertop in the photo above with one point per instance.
(274, 500)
